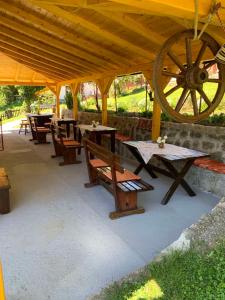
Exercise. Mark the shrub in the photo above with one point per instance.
(69, 100)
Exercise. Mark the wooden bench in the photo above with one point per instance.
(4, 192)
(105, 169)
(64, 146)
(39, 132)
(210, 164)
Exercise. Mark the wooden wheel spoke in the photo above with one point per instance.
(182, 100)
(214, 80)
(172, 90)
(200, 54)
(176, 60)
(204, 96)
(173, 75)
(194, 102)
(188, 52)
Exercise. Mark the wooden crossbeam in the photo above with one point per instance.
(175, 8)
(99, 30)
(22, 82)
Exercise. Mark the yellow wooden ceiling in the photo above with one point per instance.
(83, 39)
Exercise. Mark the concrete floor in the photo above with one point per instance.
(58, 242)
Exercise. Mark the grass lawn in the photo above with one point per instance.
(181, 275)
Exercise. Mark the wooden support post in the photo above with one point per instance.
(104, 85)
(156, 120)
(74, 89)
(58, 89)
(156, 116)
(2, 291)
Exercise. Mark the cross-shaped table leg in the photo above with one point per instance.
(179, 179)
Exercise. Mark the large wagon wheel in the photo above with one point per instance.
(194, 90)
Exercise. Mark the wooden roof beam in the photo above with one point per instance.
(37, 37)
(104, 55)
(42, 61)
(40, 53)
(21, 82)
(37, 62)
(104, 33)
(40, 69)
(175, 8)
(131, 24)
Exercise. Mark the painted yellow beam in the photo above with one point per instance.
(75, 89)
(104, 86)
(175, 8)
(57, 104)
(2, 290)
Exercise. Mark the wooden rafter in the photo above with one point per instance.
(47, 43)
(31, 19)
(99, 30)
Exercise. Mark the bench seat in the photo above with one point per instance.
(4, 192)
(105, 169)
(210, 164)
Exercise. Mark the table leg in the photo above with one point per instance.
(68, 130)
(179, 179)
(113, 141)
(142, 164)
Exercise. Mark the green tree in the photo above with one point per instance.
(9, 93)
(28, 95)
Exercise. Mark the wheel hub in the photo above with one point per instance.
(195, 77)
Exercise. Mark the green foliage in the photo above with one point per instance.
(27, 93)
(181, 275)
(69, 100)
(8, 94)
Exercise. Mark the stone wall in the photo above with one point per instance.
(210, 139)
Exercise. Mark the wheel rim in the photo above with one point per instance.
(194, 91)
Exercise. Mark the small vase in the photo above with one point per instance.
(161, 145)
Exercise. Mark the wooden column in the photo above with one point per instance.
(156, 116)
(74, 89)
(104, 85)
(2, 291)
(58, 89)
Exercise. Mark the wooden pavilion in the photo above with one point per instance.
(54, 43)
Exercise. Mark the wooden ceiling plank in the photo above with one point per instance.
(15, 43)
(107, 55)
(38, 38)
(38, 59)
(96, 29)
(137, 27)
(39, 68)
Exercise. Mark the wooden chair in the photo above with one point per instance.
(64, 146)
(24, 125)
(40, 132)
(105, 169)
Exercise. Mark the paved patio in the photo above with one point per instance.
(58, 242)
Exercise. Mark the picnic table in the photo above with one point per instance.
(143, 151)
(97, 132)
(67, 122)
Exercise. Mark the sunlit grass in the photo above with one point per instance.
(150, 291)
